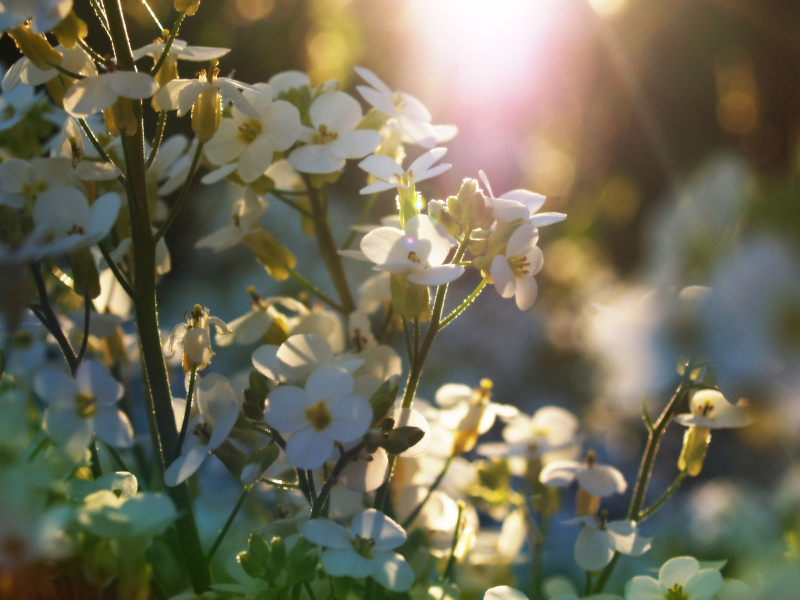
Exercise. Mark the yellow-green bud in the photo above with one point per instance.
(119, 118)
(189, 6)
(374, 119)
(438, 212)
(470, 208)
(207, 114)
(36, 48)
(70, 30)
(84, 272)
(693, 453)
(269, 251)
(410, 300)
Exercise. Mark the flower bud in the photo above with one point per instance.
(207, 114)
(586, 504)
(84, 272)
(470, 208)
(119, 118)
(189, 6)
(383, 399)
(70, 30)
(269, 251)
(400, 439)
(438, 212)
(278, 331)
(693, 453)
(410, 300)
(36, 48)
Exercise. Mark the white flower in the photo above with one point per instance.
(364, 551)
(215, 414)
(45, 14)
(69, 144)
(550, 428)
(375, 293)
(711, 410)
(245, 215)
(15, 104)
(64, 220)
(81, 407)
(503, 592)
(513, 271)
(326, 411)
(366, 472)
(298, 357)
(418, 252)
(519, 204)
(76, 60)
(680, 578)
(251, 142)
(389, 174)
(180, 94)
(598, 480)
(195, 335)
(171, 151)
(95, 94)
(599, 540)
(179, 50)
(334, 137)
(412, 116)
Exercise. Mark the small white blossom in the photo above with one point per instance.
(76, 60)
(364, 551)
(326, 411)
(298, 357)
(519, 204)
(418, 252)
(179, 51)
(389, 174)
(95, 94)
(245, 215)
(334, 137)
(514, 270)
(195, 335)
(711, 410)
(599, 540)
(679, 578)
(598, 480)
(180, 94)
(85, 406)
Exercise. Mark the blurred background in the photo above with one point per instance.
(667, 131)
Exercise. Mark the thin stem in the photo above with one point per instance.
(538, 559)
(162, 121)
(186, 414)
(284, 485)
(97, 146)
(362, 218)
(181, 197)
(463, 306)
(101, 15)
(123, 281)
(290, 203)
(117, 458)
(448, 571)
(344, 460)
(409, 349)
(664, 497)
(66, 72)
(418, 508)
(327, 246)
(223, 532)
(168, 46)
(90, 51)
(311, 487)
(97, 472)
(315, 290)
(153, 14)
(416, 339)
(87, 310)
(51, 321)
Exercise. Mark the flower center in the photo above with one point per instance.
(676, 593)
(519, 265)
(86, 405)
(203, 432)
(326, 136)
(250, 130)
(76, 229)
(412, 256)
(707, 409)
(319, 416)
(363, 546)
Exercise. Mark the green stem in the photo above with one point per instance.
(327, 247)
(418, 508)
(181, 197)
(97, 146)
(387, 319)
(290, 203)
(223, 532)
(97, 472)
(463, 306)
(537, 577)
(409, 349)
(88, 49)
(315, 290)
(156, 378)
(344, 460)
(168, 46)
(176, 452)
(117, 273)
(362, 218)
(162, 122)
(451, 562)
(284, 485)
(87, 306)
(49, 320)
(117, 458)
(101, 15)
(646, 469)
(665, 496)
(66, 72)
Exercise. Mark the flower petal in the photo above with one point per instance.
(337, 111)
(93, 378)
(392, 571)
(376, 526)
(315, 158)
(185, 466)
(89, 96)
(130, 84)
(678, 570)
(354, 144)
(346, 563)
(285, 409)
(308, 448)
(352, 416)
(327, 534)
(594, 548)
(113, 427)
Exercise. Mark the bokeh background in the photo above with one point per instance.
(666, 130)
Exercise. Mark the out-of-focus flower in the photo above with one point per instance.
(85, 406)
(44, 14)
(679, 577)
(94, 94)
(364, 551)
(334, 137)
(389, 174)
(195, 335)
(600, 539)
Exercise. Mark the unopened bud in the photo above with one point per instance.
(409, 203)
(269, 251)
(84, 272)
(36, 48)
(189, 6)
(207, 114)
(119, 118)
(586, 504)
(469, 207)
(233, 458)
(438, 212)
(410, 300)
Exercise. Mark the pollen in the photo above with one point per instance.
(319, 416)
(363, 546)
(86, 405)
(250, 130)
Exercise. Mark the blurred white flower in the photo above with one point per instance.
(519, 204)
(94, 94)
(679, 577)
(298, 357)
(600, 539)
(388, 174)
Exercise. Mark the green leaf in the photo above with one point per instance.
(341, 587)
(258, 550)
(250, 566)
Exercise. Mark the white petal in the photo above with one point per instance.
(436, 275)
(704, 585)
(337, 111)
(419, 132)
(645, 588)
(376, 526)
(113, 427)
(522, 240)
(380, 244)
(93, 378)
(301, 354)
(373, 80)
(543, 219)
(89, 96)
(201, 53)
(504, 281)
(602, 480)
(229, 92)
(426, 161)
(375, 187)
(129, 84)
(265, 361)
(365, 475)
(380, 101)
(285, 409)
(392, 571)
(185, 466)
(408, 417)
(329, 383)
(627, 539)
(354, 144)
(560, 473)
(526, 291)
(68, 429)
(327, 534)
(102, 216)
(255, 159)
(56, 388)
(315, 158)
(180, 94)
(352, 416)
(346, 563)
(503, 592)
(308, 448)
(594, 548)
(434, 242)
(531, 200)
(678, 570)
(415, 109)
(214, 176)
(382, 167)
(281, 122)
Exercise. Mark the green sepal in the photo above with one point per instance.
(400, 439)
(84, 272)
(410, 300)
(383, 399)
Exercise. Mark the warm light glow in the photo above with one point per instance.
(608, 7)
